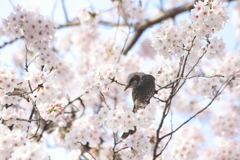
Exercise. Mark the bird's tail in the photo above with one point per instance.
(130, 132)
(135, 108)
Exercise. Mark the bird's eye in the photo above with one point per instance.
(131, 80)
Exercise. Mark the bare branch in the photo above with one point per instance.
(35, 135)
(103, 99)
(126, 41)
(21, 93)
(115, 144)
(54, 7)
(159, 99)
(27, 120)
(9, 42)
(219, 91)
(26, 65)
(70, 102)
(121, 149)
(132, 41)
(174, 90)
(170, 135)
(186, 78)
(87, 151)
(64, 10)
(44, 129)
(114, 80)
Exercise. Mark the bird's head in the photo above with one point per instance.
(133, 80)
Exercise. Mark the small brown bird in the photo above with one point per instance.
(143, 90)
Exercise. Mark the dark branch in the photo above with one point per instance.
(10, 42)
(64, 10)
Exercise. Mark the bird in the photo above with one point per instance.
(143, 89)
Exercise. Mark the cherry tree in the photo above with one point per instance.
(71, 86)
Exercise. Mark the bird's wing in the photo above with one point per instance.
(144, 92)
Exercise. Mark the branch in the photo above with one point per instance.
(115, 144)
(114, 80)
(121, 149)
(220, 90)
(174, 90)
(10, 42)
(36, 130)
(170, 135)
(64, 10)
(132, 41)
(112, 24)
(104, 100)
(164, 101)
(44, 128)
(69, 24)
(27, 120)
(87, 151)
(140, 27)
(70, 102)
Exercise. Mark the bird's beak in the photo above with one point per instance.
(126, 88)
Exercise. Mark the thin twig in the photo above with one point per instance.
(114, 80)
(115, 144)
(33, 60)
(220, 90)
(54, 7)
(196, 76)
(44, 128)
(87, 151)
(26, 65)
(174, 90)
(170, 136)
(10, 42)
(121, 149)
(70, 102)
(64, 10)
(159, 99)
(27, 120)
(36, 130)
(104, 100)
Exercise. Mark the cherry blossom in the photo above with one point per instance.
(69, 86)
(30, 150)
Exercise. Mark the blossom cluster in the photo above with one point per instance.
(49, 100)
(31, 150)
(138, 146)
(9, 78)
(11, 115)
(165, 75)
(236, 23)
(10, 140)
(130, 9)
(186, 148)
(82, 131)
(120, 120)
(37, 30)
(87, 32)
(206, 15)
(44, 89)
(208, 86)
(49, 111)
(177, 40)
(229, 150)
(99, 78)
(215, 48)
(224, 122)
(224, 150)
